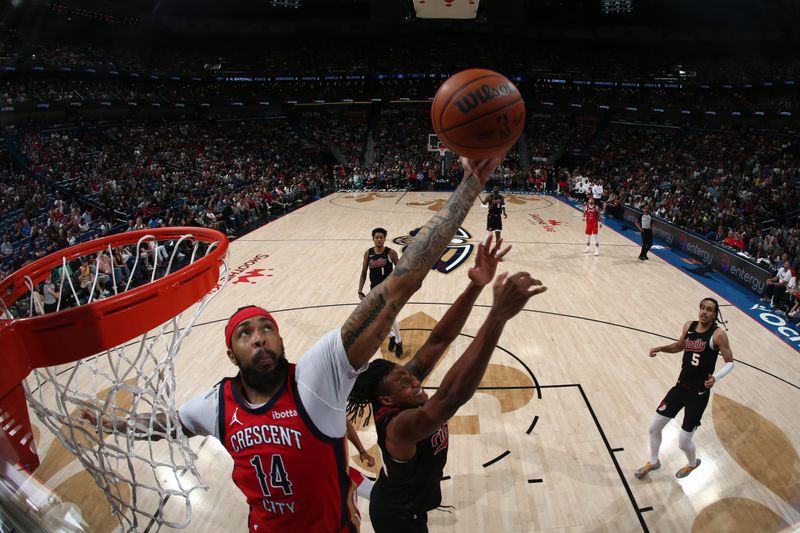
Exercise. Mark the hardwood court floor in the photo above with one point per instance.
(552, 439)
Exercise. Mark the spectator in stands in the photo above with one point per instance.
(777, 285)
(6, 248)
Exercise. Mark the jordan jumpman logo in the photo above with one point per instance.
(234, 418)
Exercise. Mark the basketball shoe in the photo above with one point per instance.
(686, 470)
(646, 469)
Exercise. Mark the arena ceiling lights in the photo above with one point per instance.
(295, 4)
(617, 6)
(446, 9)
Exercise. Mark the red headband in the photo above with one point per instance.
(242, 315)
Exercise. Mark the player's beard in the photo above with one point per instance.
(266, 381)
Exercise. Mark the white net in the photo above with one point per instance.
(116, 410)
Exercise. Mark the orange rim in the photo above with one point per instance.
(78, 332)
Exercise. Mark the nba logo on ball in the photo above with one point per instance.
(478, 113)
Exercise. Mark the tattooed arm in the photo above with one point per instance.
(368, 325)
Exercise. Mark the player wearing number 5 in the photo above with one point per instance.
(701, 341)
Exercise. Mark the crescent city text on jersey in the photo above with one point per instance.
(265, 434)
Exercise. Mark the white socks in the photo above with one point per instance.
(685, 443)
(656, 426)
(396, 332)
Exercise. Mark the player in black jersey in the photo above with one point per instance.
(701, 341)
(497, 207)
(379, 260)
(412, 429)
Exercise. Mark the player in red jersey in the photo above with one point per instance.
(591, 215)
(283, 423)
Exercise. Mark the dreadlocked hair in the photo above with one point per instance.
(366, 388)
(718, 315)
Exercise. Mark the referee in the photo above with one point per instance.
(645, 225)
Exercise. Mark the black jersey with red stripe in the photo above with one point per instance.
(699, 358)
(380, 266)
(413, 484)
(496, 203)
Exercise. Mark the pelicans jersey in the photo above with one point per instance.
(294, 477)
(591, 219)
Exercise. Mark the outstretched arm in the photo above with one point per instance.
(141, 425)
(511, 293)
(451, 324)
(368, 325)
(674, 347)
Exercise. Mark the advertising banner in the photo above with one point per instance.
(734, 266)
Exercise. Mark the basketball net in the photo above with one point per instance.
(147, 481)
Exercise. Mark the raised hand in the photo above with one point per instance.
(511, 293)
(486, 261)
(481, 168)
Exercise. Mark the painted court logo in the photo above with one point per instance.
(786, 330)
(244, 273)
(549, 225)
(456, 254)
(247, 276)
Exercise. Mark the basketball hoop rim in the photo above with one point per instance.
(69, 335)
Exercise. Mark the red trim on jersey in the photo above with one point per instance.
(591, 219)
(383, 412)
(293, 479)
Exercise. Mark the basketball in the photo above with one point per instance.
(478, 113)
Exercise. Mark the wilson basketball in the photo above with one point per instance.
(478, 113)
